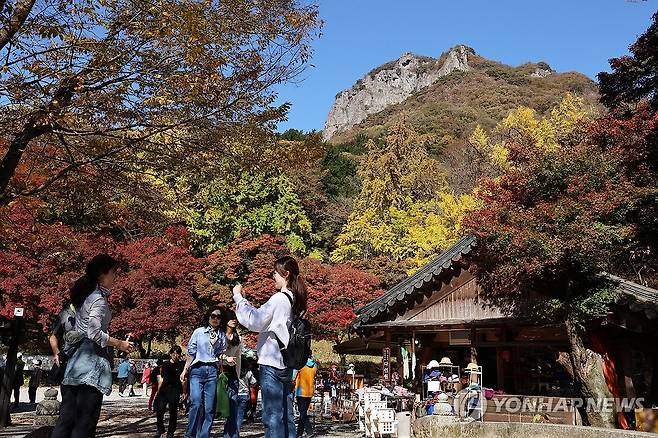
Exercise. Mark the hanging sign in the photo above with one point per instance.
(386, 365)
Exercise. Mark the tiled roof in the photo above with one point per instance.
(636, 297)
(633, 295)
(402, 291)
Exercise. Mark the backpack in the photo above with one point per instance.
(298, 350)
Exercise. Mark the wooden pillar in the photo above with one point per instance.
(627, 369)
(388, 346)
(474, 353)
(500, 373)
(500, 363)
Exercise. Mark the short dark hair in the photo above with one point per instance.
(175, 349)
(206, 316)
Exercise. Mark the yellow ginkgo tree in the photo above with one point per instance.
(405, 211)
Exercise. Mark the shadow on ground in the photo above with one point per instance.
(130, 418)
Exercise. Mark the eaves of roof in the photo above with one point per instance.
(402, 291)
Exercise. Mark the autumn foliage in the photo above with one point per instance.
(335, 291)
(163, 290)
(154, 294)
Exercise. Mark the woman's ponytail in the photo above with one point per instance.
(81, 289)
(288, 268)
(85, 285)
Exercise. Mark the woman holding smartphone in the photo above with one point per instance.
(272, 321)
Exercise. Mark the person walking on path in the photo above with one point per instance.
(19, 379)
(153, 380)
(88, 375)
(205, 349)
(237, 403)
(304, 390)
(122, 375)
(132, 377)
(272, 321)
(253, 390)
(169, 391)
(35, 380)
(145, 379)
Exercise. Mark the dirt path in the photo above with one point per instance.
(130, 417)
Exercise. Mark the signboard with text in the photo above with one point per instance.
(386, 365)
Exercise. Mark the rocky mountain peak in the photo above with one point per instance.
(389, 84)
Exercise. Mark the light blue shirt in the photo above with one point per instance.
(122, 370)
(200, 348)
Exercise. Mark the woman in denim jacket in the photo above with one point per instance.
(88, 374)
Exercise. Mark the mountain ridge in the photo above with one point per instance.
(428, 91)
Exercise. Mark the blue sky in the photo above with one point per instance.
(359, 35)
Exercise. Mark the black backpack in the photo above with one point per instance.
(296, 354)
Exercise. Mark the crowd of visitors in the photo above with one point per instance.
(212, 380)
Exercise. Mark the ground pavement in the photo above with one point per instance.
(124, 417)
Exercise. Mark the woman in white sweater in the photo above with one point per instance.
(272, 321)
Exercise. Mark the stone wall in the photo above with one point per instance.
(434, 426)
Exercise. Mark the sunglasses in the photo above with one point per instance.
(215, 315)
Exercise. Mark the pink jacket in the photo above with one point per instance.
(146, 375)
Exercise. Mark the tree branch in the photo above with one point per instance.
(21, 10)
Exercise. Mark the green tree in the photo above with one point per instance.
(253, 203)
(634, 77)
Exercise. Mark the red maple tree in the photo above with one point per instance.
(334, 291)
(154, 293)
(154, 296)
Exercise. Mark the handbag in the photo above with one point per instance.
(222, 404)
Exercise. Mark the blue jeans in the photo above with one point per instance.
(203, 384)
(238, 405)
(278, 416)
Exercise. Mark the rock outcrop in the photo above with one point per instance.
(390, 84)
(541, 72)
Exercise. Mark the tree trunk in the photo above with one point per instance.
(140, 347)
(37, 124)
(588, 376)
(15, 151)
(148, 349)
